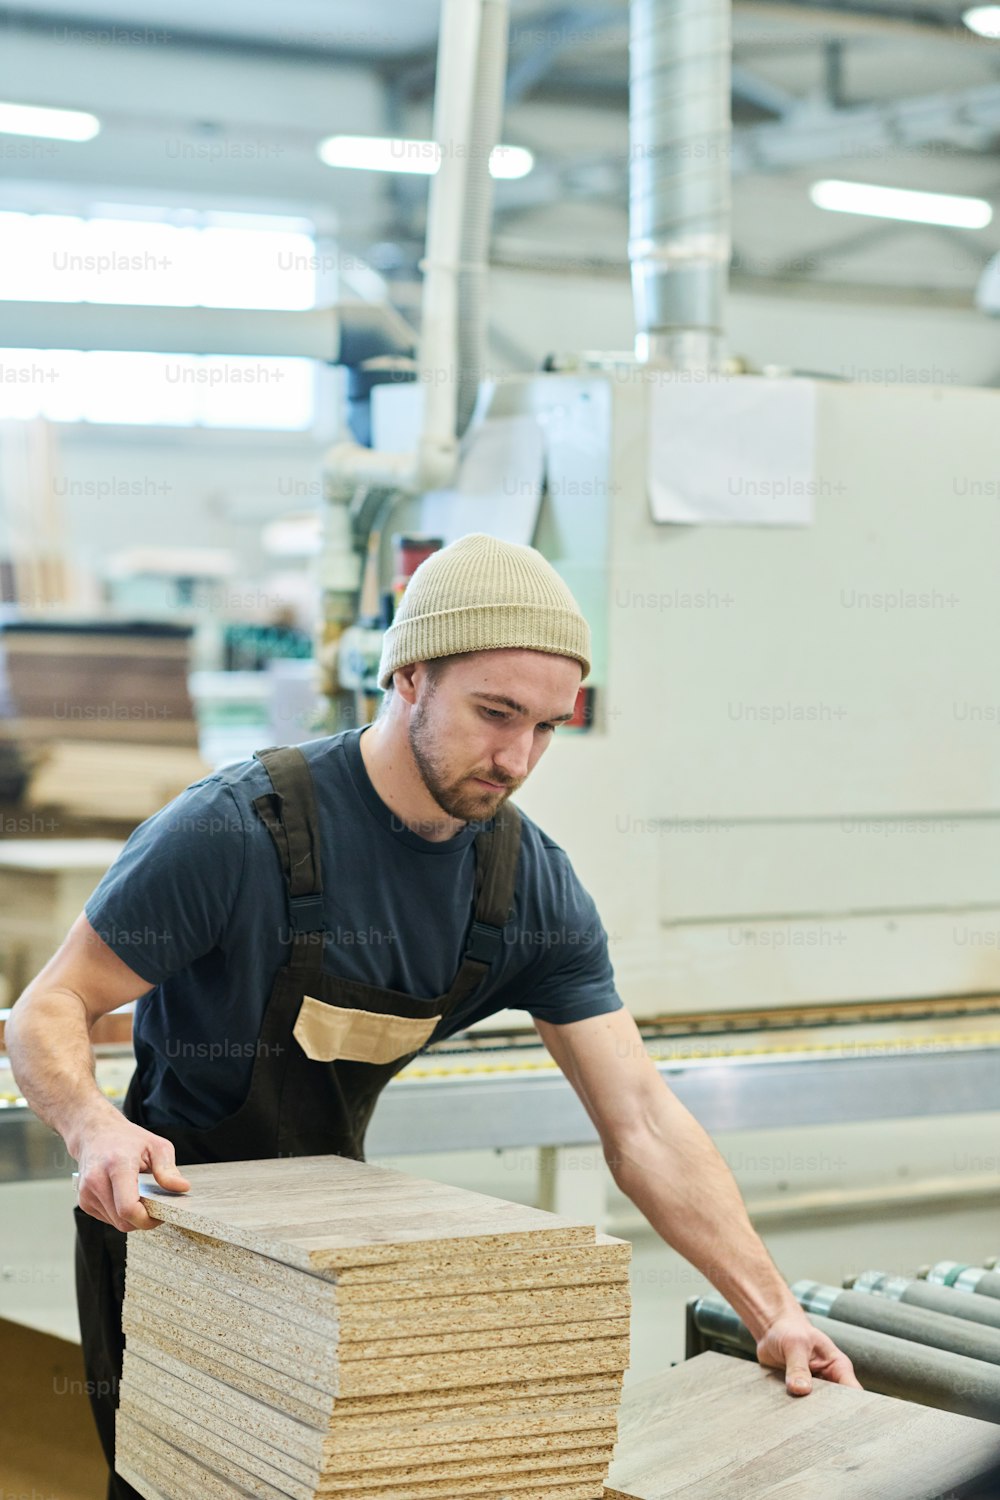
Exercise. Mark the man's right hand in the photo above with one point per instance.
(110, 1154)
(48, 1040)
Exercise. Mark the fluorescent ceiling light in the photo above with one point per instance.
(53, 124)
(511, 161)
(901, 203)
(984, 20)
(371, 153)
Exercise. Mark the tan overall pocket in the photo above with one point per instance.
(328, 1032)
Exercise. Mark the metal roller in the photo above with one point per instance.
(941, 1299)
(963, 1278)
(715, 1319)
(919, 1325)
(890, 1366)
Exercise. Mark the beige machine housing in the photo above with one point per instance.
(790, 794)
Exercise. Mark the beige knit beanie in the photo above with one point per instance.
(481, 594)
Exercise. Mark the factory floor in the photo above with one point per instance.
(49, 1449)
(829, 1202)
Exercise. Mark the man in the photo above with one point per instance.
(297, 927)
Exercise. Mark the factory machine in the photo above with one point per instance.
(785, 803)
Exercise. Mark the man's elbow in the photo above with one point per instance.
(37, 1008)
(18, 1027)
(631, 1147)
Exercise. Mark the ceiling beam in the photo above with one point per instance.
(966, 118)
(536, 45)
(304, 44)
(753, 89)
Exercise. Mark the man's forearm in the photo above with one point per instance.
(48, 1040)
(677, 1178)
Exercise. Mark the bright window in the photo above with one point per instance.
(166, 390)
(220, 260)
(149, 256)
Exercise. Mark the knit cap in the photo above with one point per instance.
(481, 594)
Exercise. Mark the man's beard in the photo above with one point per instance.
(459, 799)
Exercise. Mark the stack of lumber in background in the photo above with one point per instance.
(99, 717)
(321, 1327)
(106, 680)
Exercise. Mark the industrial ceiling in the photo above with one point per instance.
(888, 92)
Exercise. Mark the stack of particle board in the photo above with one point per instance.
(321, 1327)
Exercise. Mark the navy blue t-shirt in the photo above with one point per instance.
(195, 904)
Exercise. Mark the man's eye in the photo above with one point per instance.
(494, 713)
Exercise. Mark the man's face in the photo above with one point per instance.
(481, 723)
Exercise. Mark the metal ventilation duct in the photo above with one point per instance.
(679, 178)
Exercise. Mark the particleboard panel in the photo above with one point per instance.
(477, 1473)
(464, 1271)
(718, 1428)
(309, 1405)
(159, 1470)
(457, 1417)
(351, 1312)
(325, 1213)
(314, 1343)
(296, 1448)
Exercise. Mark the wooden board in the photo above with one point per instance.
(307, 1404)
(149, 1457)
(466, 1270)
(299, 1449)
(478, 1471)
(351, 1312)
(719, 1428)
(327, 1213)
(296, 1359)
(326, 1349)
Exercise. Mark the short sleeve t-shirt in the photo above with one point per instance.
(195, 904)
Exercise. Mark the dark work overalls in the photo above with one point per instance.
(326, 1050)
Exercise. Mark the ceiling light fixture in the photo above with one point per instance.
(371, 153)
(901, 203)
(984, 20)
(52, 124)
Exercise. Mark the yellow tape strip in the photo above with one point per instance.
(961, 1042)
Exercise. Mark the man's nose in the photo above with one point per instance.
(513, 757)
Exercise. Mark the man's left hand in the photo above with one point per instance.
(793, 1344)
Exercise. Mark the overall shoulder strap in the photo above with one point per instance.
(497, 852)
(290, 815)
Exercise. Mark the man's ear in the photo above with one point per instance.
(407, 681)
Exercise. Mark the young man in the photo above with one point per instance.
(298, 926)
